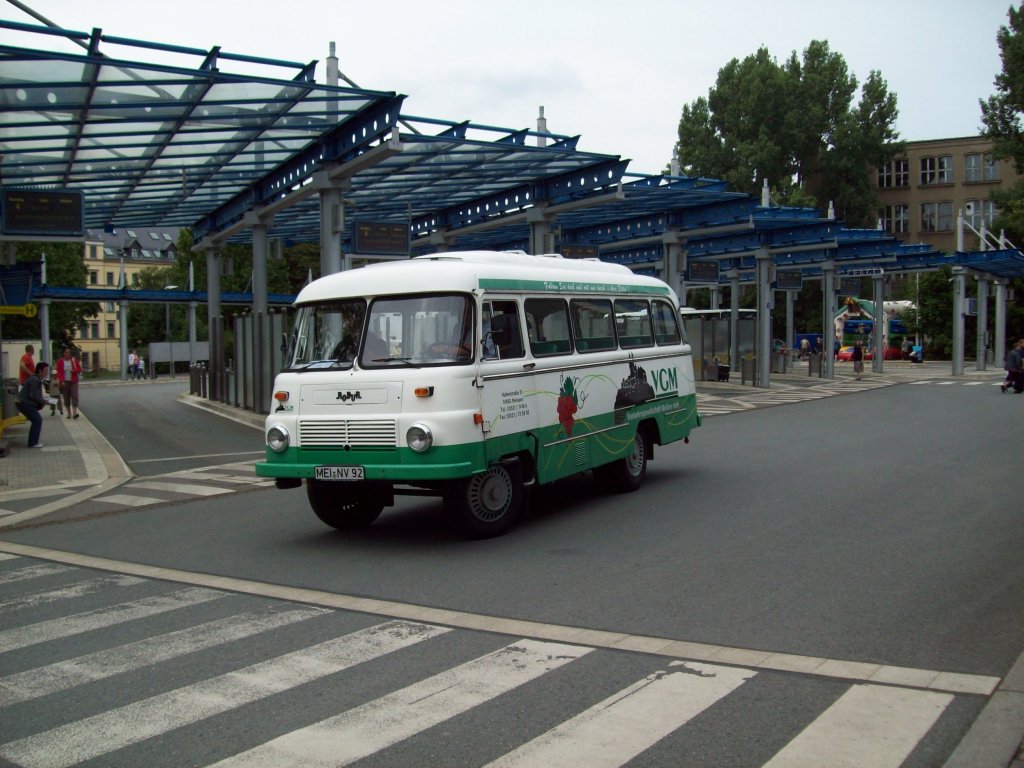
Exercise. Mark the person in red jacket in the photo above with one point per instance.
(69, 371)
(28, 364)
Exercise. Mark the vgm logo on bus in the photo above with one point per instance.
(664, 380)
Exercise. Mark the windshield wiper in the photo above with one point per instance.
(329, 363)
(407, 360)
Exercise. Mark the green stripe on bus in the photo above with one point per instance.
(570, 286)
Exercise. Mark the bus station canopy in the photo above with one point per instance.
(165, 135)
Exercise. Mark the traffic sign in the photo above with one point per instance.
(28, 310)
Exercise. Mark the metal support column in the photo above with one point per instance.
(790, 296)
(764, 318)
(959, 298)
(999, 341)
(122, 316)
(734, 321)
(332, 227)
(46, 353)
(213, 322)
(541, 237)
(828, 293)
(981, 344)
(878, 340)
(259, 312)
(671, 252)
(192, 307)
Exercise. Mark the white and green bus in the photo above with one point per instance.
(473, 376)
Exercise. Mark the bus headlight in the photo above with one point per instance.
(277, 438)
(419, 437)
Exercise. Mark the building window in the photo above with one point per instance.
(894, 174)
(94, 277)
(110, 278)
(937, 170)
(979, 212)
(896, 218)
(110, 331)
(972, 168)
(990, 167)
(936, 217)
(110, 306)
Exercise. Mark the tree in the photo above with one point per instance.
(795, 125)
(1003, 116)
(65, 268)
(1002, 113)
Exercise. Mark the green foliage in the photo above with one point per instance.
(795, 125)
(1002, 113)
(65, 267)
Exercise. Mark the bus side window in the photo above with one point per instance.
(666, 327)
(548, 320)
(633, 323)
(503, 337)
(592, 324)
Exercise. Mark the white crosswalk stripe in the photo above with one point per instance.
(102, 664)
(607, 734)
(54, 629)
(76, 742)
(870, 725)
(376, 725)
(33, 572)
(89, 586)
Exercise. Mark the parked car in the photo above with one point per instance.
(846, 354)
(891, 353)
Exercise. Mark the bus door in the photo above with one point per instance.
(510, 407)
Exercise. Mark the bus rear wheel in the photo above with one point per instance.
(343, 507)
(487, 504)
(627, 474)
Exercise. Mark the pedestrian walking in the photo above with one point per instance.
(69, 371)
(30, 400)
(140, 367)
(28, 364)
(1014, 365)
(858, 359)
(133, 364)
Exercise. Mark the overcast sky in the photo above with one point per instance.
(615, 72)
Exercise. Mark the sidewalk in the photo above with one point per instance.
(74, 456)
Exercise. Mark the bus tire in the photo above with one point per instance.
(625, 475)
(340, 507)
(487, 504)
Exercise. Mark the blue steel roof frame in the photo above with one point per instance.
(460, 176)
(139, 156)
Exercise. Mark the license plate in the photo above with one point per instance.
(341, 472)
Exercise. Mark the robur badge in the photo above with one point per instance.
(353, 396)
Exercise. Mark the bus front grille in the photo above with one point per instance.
(377, 433)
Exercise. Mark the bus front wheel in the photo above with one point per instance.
(341, 506)
(626, 474)
(487, 504)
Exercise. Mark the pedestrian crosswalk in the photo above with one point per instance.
(123, 670)
(146, 491)
(712, 403)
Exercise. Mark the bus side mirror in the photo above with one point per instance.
(501, 329)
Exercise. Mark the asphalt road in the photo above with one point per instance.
(156, 434)
(880, 527)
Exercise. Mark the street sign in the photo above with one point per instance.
(28, 310)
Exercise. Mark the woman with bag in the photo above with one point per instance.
(69, 371)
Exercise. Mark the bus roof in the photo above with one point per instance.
(491, 270)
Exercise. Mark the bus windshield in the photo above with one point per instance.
(407, 330)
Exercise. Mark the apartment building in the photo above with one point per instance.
(922, 192)
(100, 339)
